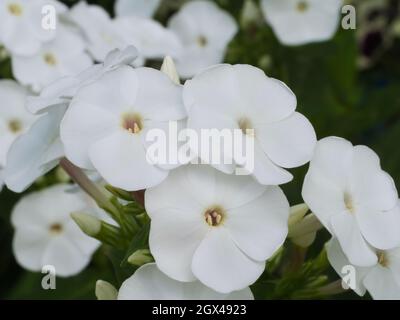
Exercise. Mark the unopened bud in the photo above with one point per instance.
(88, 224)
(169, 68)
(105, 291)
(140, 257)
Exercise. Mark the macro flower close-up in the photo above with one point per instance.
(206, 156)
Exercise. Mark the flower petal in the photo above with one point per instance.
(221, 265)
(259, 228)
(174, 237)
(345, 228)
(288, 143)
(381, 284)
(380, 228)
(121, 160)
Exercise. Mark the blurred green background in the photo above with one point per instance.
(348, 87)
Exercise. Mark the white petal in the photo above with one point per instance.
(142, 8)
(345, 228)
(35, 153)
(158, 98)
(322, 196)
(221, 265)
(372, 186)
(288, 143)
(29, 245)
(380, 228)
(262, 99)
(148, 283)
(381, 284)
(121, 160)
(265, 171)
(333, 159)
(174, 237)
(259, 228)
(186, 188)
(338, 260)
(67, 259)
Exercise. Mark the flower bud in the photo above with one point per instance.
(105, 291)
(168, 67)
(140, 257)
(88, 224)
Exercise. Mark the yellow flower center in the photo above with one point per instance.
(202, 41)
(15, 126)
(349, 203)
(132, 122)
(214, 216)
(302, 6)
(15, 9)
(246, 126)
(383, 259)
(56, 228)
(50, 59)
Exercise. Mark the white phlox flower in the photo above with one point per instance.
(45, 234)
(298, 22)
(354, 199)
(382, 280)
(106, 124)
(149, 283)
(38, 151)
(242, 97)
(205, 32)
(14, 118)
(63, 56)
(213, 227)
(21, 27)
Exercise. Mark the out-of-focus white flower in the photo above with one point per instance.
(243, 97)
(149, 283)
(45, 234)
(14, 118)
(297, 22)
(141, 8)
(61, 92)
(353, 198)
(63, 56)
(35, 153)
(152, 40)
(382, 280)
(38, 151)
(217, 228)
(106, 124)
(101, 33)
(205, 31)
(21, 27)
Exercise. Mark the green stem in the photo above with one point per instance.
(332, 288)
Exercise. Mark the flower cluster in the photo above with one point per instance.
(84, 101)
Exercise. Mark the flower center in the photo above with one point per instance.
(214, 216)
(15, 9)
(302, 6)
(50, 59)
(56, 228)
(202, 41)
(383, 259)
(349, 203)
(132, 122)
(15, 126)
(246, 126)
